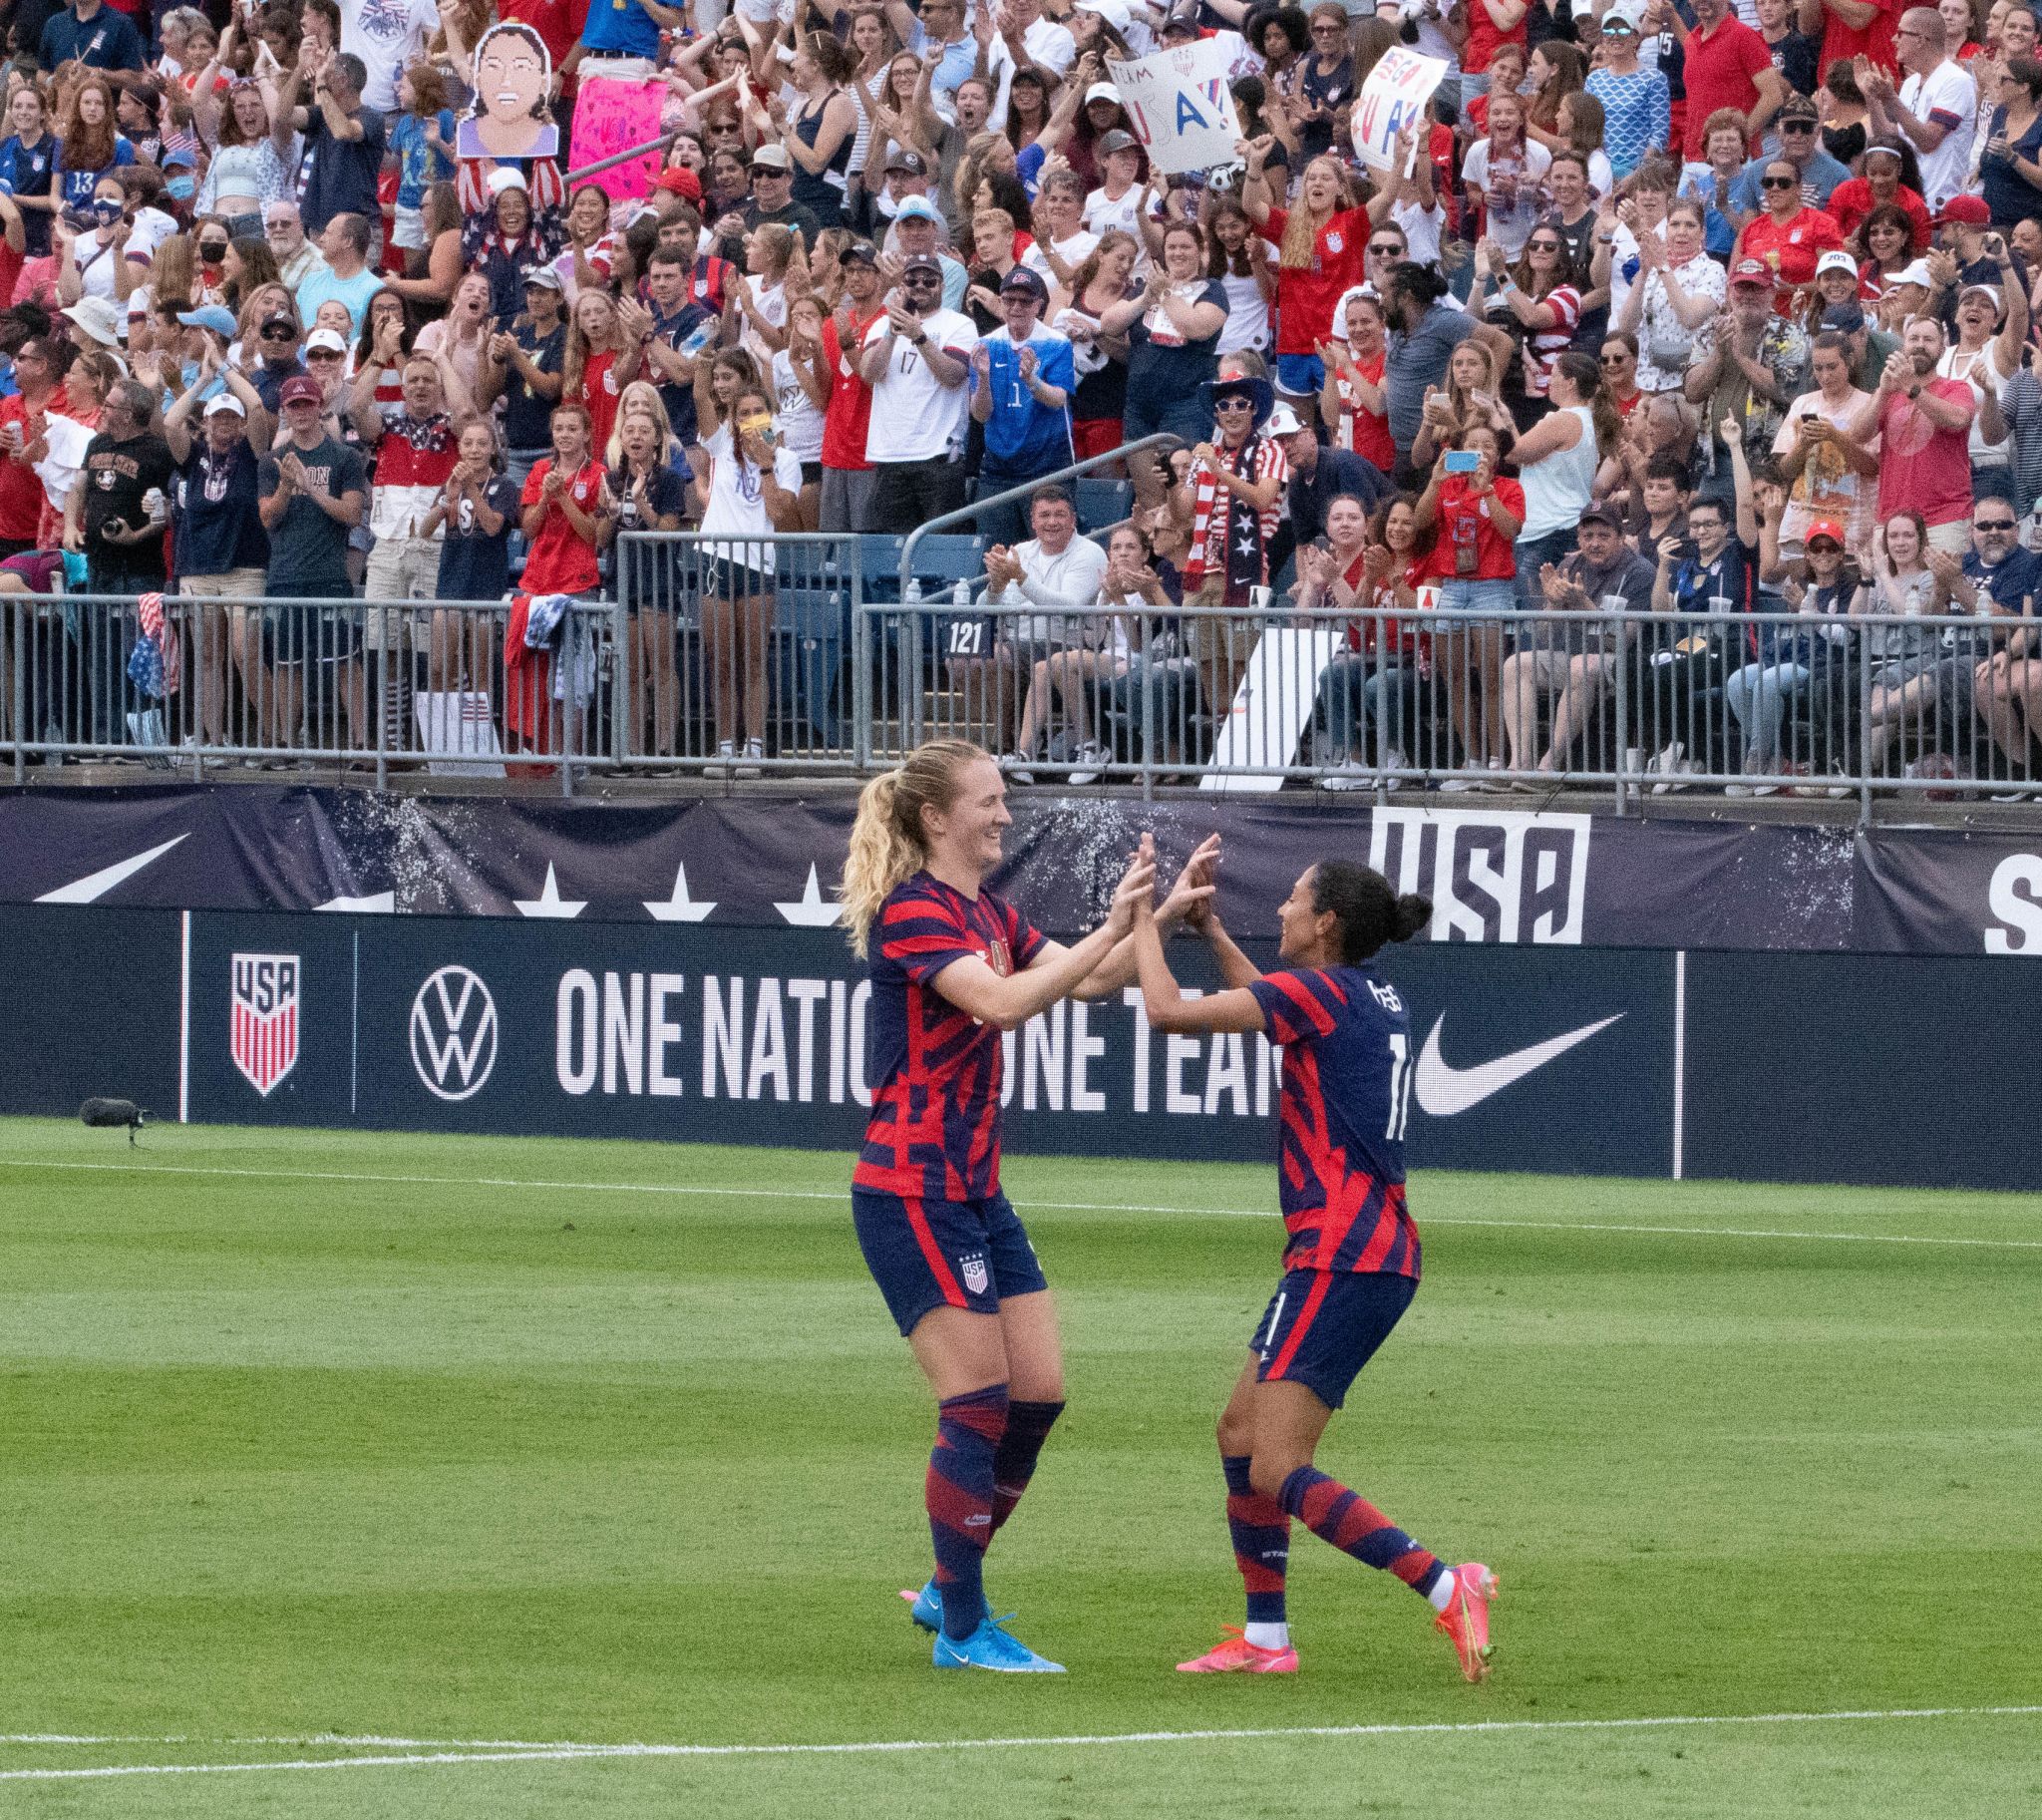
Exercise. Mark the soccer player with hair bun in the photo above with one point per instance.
(952, 967)
(1350, 1266)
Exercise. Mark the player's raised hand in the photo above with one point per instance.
(1134, 895)
(1191, 898)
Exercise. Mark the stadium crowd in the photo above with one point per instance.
(1676, 306)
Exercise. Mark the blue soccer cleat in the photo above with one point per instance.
(989, 1646)
(925, 1607)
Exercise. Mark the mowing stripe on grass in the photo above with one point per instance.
(1051, 1207)
(896, 1746)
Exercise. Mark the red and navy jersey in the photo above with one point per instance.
(934, 1133)
(1346, 1041)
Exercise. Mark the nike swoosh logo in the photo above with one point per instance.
(1444, 1090)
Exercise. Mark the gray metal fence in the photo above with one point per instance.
(447, 687)
(804, 654)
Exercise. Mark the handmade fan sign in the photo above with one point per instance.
(512, 79)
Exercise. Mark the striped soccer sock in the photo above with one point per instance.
(959, 1495)
(1261, 1529)
(1352, 1524)
(1028, 1426)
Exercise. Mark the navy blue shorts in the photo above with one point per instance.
(1322, 1327)
(927, 1255)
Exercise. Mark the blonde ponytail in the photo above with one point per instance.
(887, 845)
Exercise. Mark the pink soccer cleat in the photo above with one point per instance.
(1237, 1654)
(1466, 1619)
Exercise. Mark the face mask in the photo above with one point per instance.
(106, 212)
(180, 189)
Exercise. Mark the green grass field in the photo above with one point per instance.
(314, 1440)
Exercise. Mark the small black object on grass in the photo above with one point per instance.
(97, 1112)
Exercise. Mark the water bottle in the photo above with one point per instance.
(698, 338)
(960, 596)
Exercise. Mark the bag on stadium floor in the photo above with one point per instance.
(458, 720)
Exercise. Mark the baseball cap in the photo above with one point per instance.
(1021, 278)
(771, 158)
(859, 252)
(1989, 290)
(179, 158)
(1102, 91)
(325, 341)
(213, 316)
(1836, 259)
(678, 179)
(1751, 271)
(1823, 527)
(224, 403)
(301, 389)
(1965, 210)
(544, 277)
(1916, 273)
(1114, 12)
(1116, 140)
(1597, 512)
(1797, 107)
(1283, 421)
(908, 161)
(1625, 15)
(507, 177)
(922, 261)
(916, 209)
(1846, 318)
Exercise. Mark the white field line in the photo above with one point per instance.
(1076, 1740)
(1059, 1206)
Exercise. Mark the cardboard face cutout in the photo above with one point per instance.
(511, 74)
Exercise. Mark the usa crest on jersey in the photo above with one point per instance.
(264, 1034)
(974, 1272)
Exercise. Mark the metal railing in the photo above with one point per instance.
(738, 651)
(447, 687)
(797, 643)
(996, 503)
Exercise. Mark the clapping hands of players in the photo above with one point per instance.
(1190, 896)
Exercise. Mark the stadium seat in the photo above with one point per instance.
(810, 623)
(1102, 503)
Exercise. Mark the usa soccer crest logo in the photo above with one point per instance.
(264, 1022)
(974, 1272)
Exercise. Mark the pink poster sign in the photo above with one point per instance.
(611, 117)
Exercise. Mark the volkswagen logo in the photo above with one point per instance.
(454, 1033)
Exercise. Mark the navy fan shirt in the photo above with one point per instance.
(1346, 1042)
(934, 1133)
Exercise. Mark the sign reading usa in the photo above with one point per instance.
(263, 1018)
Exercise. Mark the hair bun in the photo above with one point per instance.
(1411, 914)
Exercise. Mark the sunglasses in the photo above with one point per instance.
(1542, 247)
(1797, 126)
(1780, 183)
(1821, 547)
(1615, 360)
(1233, 404)
(1388, 250)
(278, 331)
(1993, 523)
(322, 354)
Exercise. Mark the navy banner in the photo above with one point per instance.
(1537, 1057)
(1498, 875)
